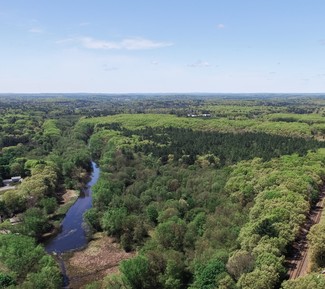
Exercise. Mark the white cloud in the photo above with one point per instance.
(200, 63)
(91, 43)
(124, 44)
(220, 26)
(141, 43)
(36, 30)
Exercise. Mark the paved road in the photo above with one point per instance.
(6, 188)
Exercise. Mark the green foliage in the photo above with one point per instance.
(97, 285)
(170, 234)
(270, 260)
(195, 209)
(174, 273)
(92, 218)
(51, 129)
(114, 282)
(169, 175)
(206, 276)
(316, 239)
(265, 277)
(169, 198)
(13, 202)
(48, 277)
(152, 214)
(239, 263)
(113, 221)
(103, 140)
(6, 280)
(310, 281)
(24, 258)
(227, 282)
(42, 182)
(83, 131)
(278, 212)
(72, 157)
(139, 121)
(34, 222)
(30, 164)
(103, 192)
(136, 273)
(291, 117)
(17, 169)
(49, 205)
(215, 148)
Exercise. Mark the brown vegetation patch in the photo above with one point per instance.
(100, 258)
(69, 195)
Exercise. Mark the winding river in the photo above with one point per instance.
(72, 235)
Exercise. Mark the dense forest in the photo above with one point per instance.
(210, 191)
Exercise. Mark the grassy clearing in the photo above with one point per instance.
(139, 121)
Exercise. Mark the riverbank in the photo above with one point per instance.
(72, 235)
(67, 200)
(100, 258)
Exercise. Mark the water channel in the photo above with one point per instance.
(72, 235)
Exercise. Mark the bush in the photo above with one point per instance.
(6, 280)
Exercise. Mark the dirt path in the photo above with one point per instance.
(298, 262)
(7, 188)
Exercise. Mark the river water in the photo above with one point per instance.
(72, 235)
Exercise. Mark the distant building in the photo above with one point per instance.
(199, 115)
(13, 180)
(16, 179)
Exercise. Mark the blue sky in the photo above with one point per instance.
(162, 46)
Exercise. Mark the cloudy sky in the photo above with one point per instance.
(118, 46)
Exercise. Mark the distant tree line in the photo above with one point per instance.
(229, 148)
